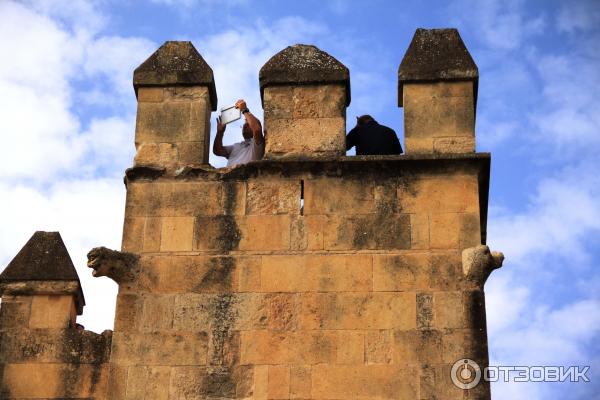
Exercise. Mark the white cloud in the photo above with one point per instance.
(502, 24)
(579, 15)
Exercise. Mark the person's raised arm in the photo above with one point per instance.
(252, 121)
(218, 148)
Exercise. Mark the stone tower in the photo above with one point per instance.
(306, 275)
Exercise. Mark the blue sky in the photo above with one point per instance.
(67, 113)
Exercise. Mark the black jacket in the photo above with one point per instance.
(373, 139)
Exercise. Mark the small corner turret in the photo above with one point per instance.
(176, 92)
(437, 86)
(42, 274)
(305, 92)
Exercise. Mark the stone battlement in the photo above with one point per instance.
(306, 275)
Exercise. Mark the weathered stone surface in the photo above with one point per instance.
(176, 63)
(53, 381)
(382, 231)
(303, 64)
(70, 346)
(307, 136)
(378, 310)
(52, 311)
(436, 55)
(363, 381)
(327, 273)
(160, 348)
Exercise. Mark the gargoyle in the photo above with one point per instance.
(119, 266)
(478, 263)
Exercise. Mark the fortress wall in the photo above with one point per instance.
(288, 282)
(306, 275)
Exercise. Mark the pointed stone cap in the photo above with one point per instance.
(44, 259)
(437, 55)
(303, 64)
(176, 63)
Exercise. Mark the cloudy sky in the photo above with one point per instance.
(67, 112)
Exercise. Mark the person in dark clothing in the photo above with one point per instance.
(370, 138)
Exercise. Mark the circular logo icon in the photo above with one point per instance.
(465, 374)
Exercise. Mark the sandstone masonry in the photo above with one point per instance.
(306, 275)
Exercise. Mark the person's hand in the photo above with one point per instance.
(241, 104)
(220, 127)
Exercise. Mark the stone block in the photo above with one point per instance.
(444, 230)
(351, 347)
(160, 348)
(378, 347)
(465, 343)
(319, 101)
(314, 227)
(278, 102)
(298, 234)
(449, 310)
(283, 311)
(376, 310)
(117, 382)
(150, 153)
(419, 231)
(279, 382)
(128, 314)
(133, 234)
(265, 233)
(165, 122)
(249, 275)
(418, 145)
(454, 144)
(15, 312)
(70, 346)
(336, 196)
(401, 272)
(305, 136)
(150, 94)
(192, 274)
(157, 313)
(216, 382)
(368, 232)
(177, 234)
(222, 233)
(152, 235)
(148, 382)
(273, 197)
(319, 273)
(380, 381)
(261, 382)
(300, 382)
(439, 110)
(446, 271)
(220, 312)
(47, 381)
(52, 311)
(424, 310)
(422, 346)
(299, 347)
(440, 194)
(184, 93)
(469, 234)
(196, 152)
